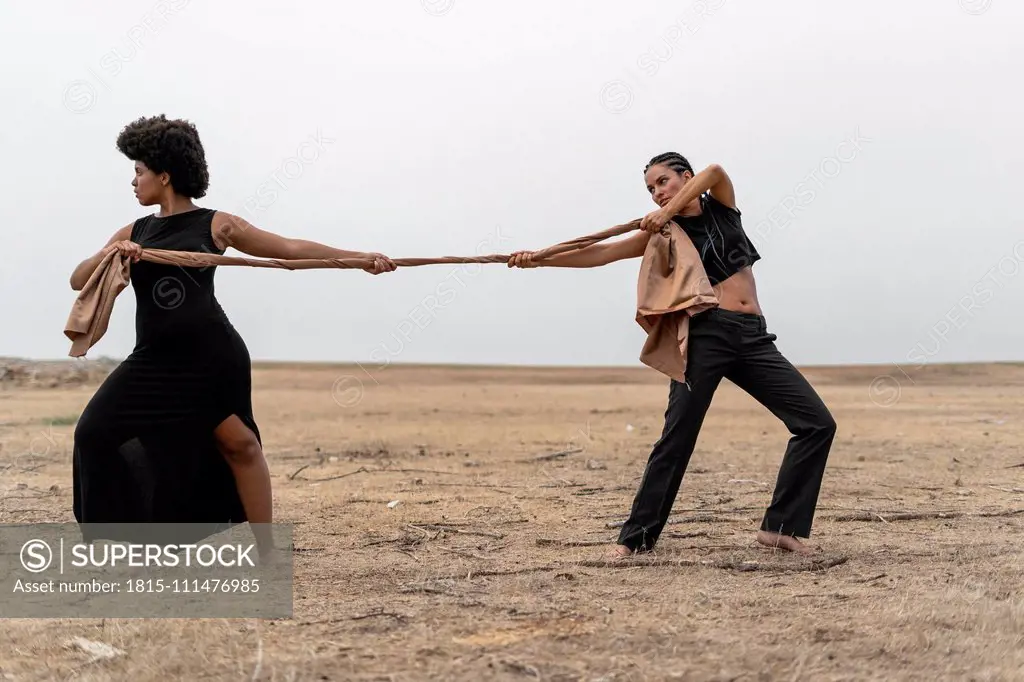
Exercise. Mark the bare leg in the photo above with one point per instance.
(244, 455)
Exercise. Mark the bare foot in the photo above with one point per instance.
(786, 542)
(619, 552)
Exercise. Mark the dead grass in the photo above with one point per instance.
(510, 481)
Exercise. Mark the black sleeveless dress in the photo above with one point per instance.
(144, 448)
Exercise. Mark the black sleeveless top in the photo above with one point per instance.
(175, 306)
(718, 235)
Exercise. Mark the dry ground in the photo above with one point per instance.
(489, 568)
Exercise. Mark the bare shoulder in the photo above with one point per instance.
(222, 220)
(225, 227)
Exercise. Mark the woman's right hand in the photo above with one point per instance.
(522, 259)
(127, 248)
(381, 263)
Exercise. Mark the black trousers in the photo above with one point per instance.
(736, 346)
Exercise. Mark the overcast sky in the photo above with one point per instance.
(875, 151)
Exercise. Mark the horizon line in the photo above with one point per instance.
(376, 366)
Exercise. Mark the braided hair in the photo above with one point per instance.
(673, 160)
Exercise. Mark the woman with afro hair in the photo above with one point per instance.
(169, 437)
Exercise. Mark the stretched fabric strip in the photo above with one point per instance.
(91, 311)
(190, 259)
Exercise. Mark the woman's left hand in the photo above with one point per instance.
(381, 263)
(655, 221)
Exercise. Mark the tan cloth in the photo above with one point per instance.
(90, 313)
(672, 287)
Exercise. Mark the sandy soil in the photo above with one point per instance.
(490, 565)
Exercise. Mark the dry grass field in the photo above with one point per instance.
(509, 483)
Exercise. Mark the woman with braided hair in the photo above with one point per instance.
(729, 341)
(170, 436)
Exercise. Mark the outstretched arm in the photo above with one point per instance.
(230, 230)
(712, 179)
(591, 256)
